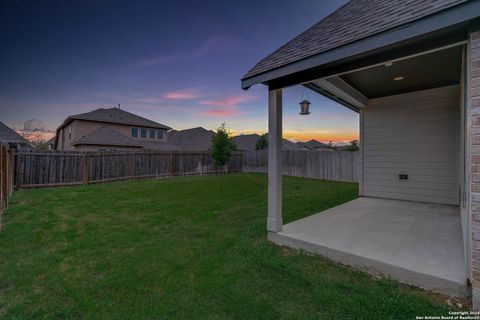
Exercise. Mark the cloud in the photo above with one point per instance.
(154, 107)
(225, 112)
(225, 106)
(181, 95)
(229, 101)
(175, 95)
(151, 100)
(211, 44)
(220, 106)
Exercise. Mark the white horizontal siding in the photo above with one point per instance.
(416, 134)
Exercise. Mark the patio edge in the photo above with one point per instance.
(375, 267)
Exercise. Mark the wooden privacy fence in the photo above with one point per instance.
(327, 164)
(53, 168)
(6, 175)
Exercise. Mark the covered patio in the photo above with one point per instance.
(409, 70)
(417, 243)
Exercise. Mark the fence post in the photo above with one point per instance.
(2, 176)
(170, 165)
(10, 171)
(85, 169)
(241, 161)
(20, 162)
(134, 166)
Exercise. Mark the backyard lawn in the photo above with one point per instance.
(183, 248)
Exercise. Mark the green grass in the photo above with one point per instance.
(186, 248)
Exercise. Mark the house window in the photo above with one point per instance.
(152, 133)
(160, 134)
(143, 132)
(134, 132)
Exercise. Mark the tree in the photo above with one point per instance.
(222, 146)
(352, 146)
(262, 142)
(33, 130)
(331, 145)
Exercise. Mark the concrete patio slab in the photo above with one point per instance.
(416, 243)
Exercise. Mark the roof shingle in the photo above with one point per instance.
(248, 142)
(9, 135)
(313, 144)
(107, 136)
(353, 21)
(115, 115)
(194, 139)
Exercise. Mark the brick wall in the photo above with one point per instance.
(473, 101)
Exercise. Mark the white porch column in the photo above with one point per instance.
(275, 221)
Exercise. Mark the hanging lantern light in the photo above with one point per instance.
(304, 103)
(304, 107)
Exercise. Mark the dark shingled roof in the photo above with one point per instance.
(9, 135)
(313, 144)
(51, 140)
(107, 136)
(194, 139)
(290, 145)
(159, 146)
(355, 20)
(246, 142)
(115, 115)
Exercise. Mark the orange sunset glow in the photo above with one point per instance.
(306, 135)
(323, 136)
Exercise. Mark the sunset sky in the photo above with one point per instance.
(175, 62)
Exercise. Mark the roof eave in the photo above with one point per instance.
(331, 96)
(444, 19)
(157, 126)
(106, 144)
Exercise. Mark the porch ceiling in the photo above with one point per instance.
(440, 68)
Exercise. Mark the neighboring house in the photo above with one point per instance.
(248, 142)
(10, 136)
(313, 145)
(411, 69)
(111, 129)
(194, 139)
(51, 143)
(292, 146)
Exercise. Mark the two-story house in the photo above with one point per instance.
(111, 129)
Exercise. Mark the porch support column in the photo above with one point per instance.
(274, 221)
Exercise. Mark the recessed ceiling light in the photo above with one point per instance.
(388, 64)
(398, 78)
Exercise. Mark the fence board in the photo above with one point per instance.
(6, 176)
(326, 165)
(54, 168)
